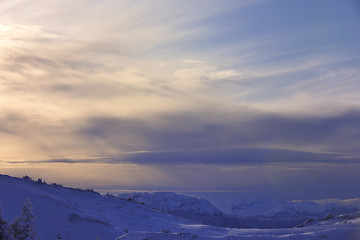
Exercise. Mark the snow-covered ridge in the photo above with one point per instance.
(317, 208)
(196, 209)
(172, 202)
(79, 214)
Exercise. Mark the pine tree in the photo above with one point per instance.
(23, 226)
(4, 229)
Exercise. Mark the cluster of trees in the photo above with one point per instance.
(43, 182)
(23, 226)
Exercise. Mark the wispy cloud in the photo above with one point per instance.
(196, 82)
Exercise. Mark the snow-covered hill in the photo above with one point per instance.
(295, 208)
(66, 213)
(195, 209)
(278, 214)
(172, 202)
(76, 214)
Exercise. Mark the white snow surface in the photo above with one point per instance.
(172, 202)
(65, 213)
(294, 208)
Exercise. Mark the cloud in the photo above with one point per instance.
(177, 85)
(63, 131)
(255, 157)
(224, 74)
(13, 34)
(282, 180)
(246, 128)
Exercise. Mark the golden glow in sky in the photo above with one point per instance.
(103, 91)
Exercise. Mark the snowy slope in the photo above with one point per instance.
(65, 213)
(75, 214)
(171, 202)
(295, 208)
(277, 214)
(333, 229)
(196, 209)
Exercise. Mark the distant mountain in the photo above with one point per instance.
(316, 208)
(195, 209)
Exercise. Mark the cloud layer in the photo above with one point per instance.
(161, 84)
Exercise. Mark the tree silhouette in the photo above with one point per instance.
(4, 229)
(23, 226)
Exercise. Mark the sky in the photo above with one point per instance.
(259, 96)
